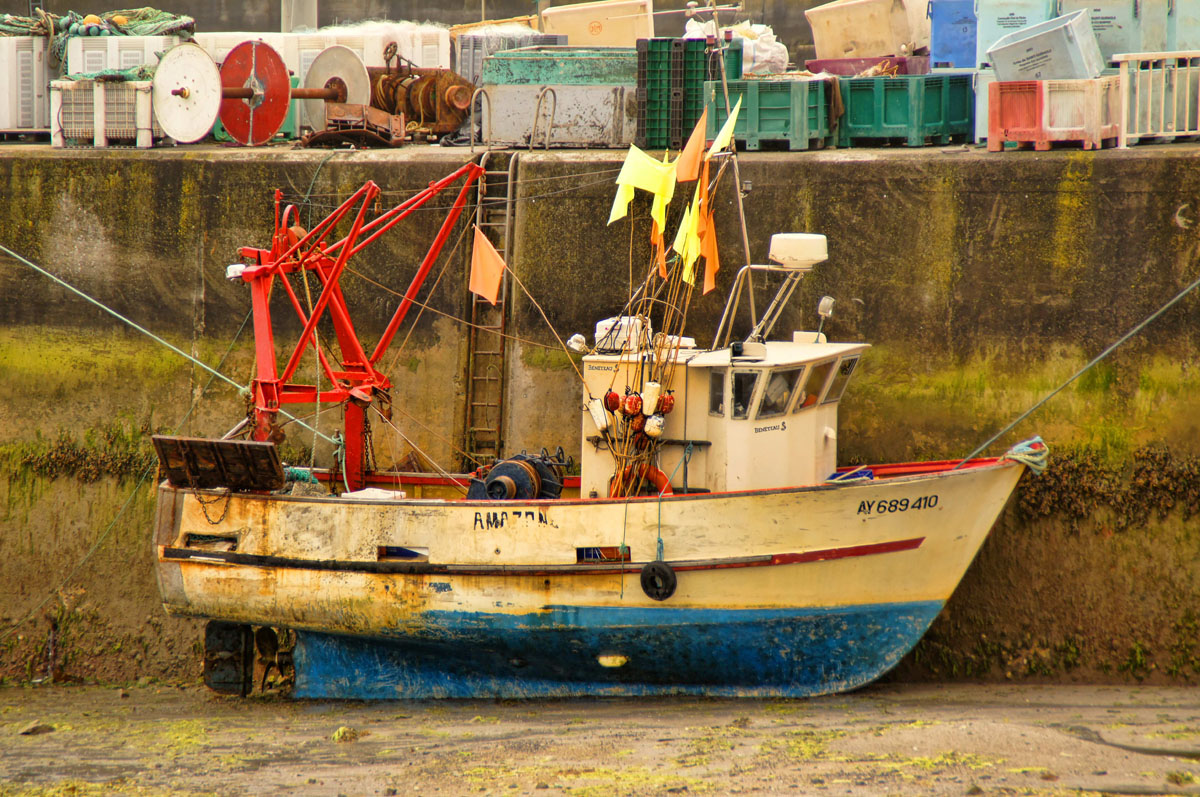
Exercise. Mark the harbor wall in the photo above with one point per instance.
(982, 282)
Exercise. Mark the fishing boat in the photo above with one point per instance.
(710, 544)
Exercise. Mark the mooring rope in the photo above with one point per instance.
(203, 365)
(1113, 347)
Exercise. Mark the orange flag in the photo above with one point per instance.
(487, 268)
(708, 240)
(660, 250)
(687, 167)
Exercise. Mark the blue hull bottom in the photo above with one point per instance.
(558, 653)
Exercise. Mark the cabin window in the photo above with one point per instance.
(743, 392)
(845, 369)
(810, 390)
(716, 392)
(777, 392)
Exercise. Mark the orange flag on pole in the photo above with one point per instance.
(487, 268)
(687, 166)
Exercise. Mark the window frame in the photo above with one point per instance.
(827, 399)
(723, 374)
(787, 404)
(752, 400)
(810, 369)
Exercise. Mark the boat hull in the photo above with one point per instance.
(779, 592)
(567, 652)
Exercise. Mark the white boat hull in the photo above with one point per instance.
(779, 592)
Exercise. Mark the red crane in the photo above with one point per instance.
(355, 380)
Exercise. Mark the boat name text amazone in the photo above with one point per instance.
(496, 520)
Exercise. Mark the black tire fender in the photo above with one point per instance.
(658, 580)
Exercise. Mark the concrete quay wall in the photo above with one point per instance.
(982, 281)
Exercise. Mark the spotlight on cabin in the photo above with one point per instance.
(825, 307)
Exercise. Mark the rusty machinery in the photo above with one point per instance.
(434, 101)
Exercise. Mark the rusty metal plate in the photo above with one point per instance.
(205, 463)
(255, 67)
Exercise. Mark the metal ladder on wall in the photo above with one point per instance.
(486, 342)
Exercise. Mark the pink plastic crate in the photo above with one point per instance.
(1040, 112)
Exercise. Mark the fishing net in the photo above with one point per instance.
(144, 72)
(144, 21)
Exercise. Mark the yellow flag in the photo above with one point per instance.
(726, 135)
(644, 172)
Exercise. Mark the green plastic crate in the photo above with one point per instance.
(671, 74)
(909, 109)
(793, 112)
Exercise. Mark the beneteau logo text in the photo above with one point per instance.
(779, 427)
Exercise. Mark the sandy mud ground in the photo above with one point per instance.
(891, 739)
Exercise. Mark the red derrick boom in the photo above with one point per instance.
(356, 379)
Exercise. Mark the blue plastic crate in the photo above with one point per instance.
(952, 33)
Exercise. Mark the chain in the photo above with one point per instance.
(368, 442)
(204, 505)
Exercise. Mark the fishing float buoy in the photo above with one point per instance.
(650, 394)
(632, 405)
(666, 403)
(654, 426)
(599, 416)
(638, 422)
(612, 401)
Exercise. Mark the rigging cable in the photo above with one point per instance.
(1113, 347)
(205, 366)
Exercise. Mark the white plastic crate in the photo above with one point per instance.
(565, 115)
(867, 28)
(1160, 95)
(983, 78)
(218, 45)
(606, 23)
(425, 45)
(1063, 48)
(88, 54)
(102, 112)
(1183, 26)
(24, 84)
(1124, 26)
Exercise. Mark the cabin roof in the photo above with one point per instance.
(776, 353)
